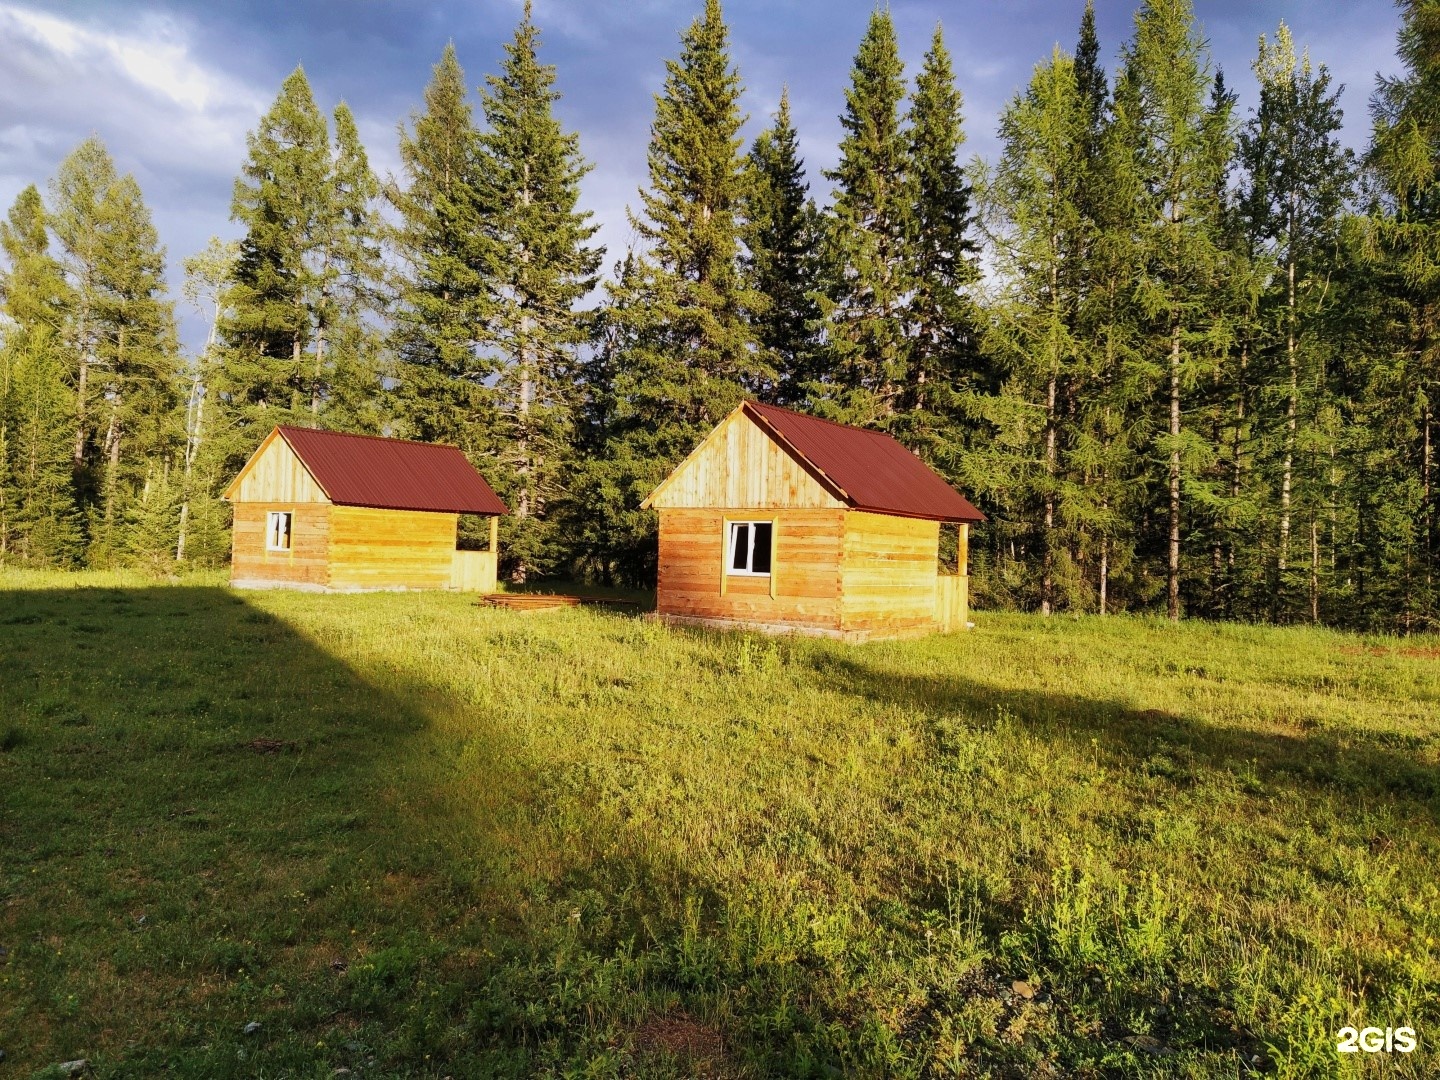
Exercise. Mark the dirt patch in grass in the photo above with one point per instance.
(1415, 653)
(269, 746)
(698, 1046)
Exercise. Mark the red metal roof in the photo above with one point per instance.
(870, 470)
(392, 474)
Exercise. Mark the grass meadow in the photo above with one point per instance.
(408, 836)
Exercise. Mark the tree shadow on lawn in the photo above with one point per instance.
(206, 821)
(1334, 764)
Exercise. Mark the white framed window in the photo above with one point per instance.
(749, 548)
(277, 530)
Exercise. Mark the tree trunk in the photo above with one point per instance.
(1172, 574)
(1291, 407)
(1047, 577)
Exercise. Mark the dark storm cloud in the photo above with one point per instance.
(173, 88)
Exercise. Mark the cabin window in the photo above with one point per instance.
(277, 530)
(750, 547)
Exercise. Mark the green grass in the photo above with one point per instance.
(413, 837)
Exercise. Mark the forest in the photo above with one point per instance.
(1184, 356)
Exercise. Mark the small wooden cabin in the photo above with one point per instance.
(783, 522)
(328, 511)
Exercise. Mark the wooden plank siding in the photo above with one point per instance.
(888, 573)
(275, 474)
(806, 570)
(306, 564)
(739, 465)
(390, 549)
(473, 571)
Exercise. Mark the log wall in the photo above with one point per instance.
(305, 564)
(888, 575)
(806, 572)
(390, 549)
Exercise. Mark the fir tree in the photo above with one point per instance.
(1402, 384)
(867, 229)
(39, 522)
(351, 291)
(782, 240)
(545, 269)
(682, 344)
(282, 199)
(447, 265)
(940, 254)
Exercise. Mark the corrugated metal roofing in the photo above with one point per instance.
(870, 470)
(392, 474)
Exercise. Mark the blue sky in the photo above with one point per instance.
(173, 87)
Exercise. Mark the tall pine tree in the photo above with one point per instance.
(447, 263)
(868, 226)
(546, 267)
(1182, 148)
(942, 356)
(682, 344)
(782, 240)
(39, 521)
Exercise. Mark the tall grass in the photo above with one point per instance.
(413, 836)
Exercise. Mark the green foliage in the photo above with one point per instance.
(297, 344)
(783, 264)
(447, 259)
(546, 268)
(870, 219)
(680, 349)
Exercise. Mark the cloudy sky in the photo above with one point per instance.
(173, 86)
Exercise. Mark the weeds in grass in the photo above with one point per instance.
(412, 837)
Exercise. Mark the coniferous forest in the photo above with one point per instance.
(1186, 357)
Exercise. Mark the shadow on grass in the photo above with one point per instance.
(206, 821)
(1376, 764)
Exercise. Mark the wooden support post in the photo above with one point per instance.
(962, 553)
(494, 533)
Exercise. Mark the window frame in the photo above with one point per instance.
(271, 533)
(731, 531)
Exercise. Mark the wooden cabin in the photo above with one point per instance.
(327, 511)
(783, 522)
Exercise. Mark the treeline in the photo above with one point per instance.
(1197, 374)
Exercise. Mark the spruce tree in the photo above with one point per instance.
(546, 267)
(940, 257)
(782, 240)
(272, 371)
(350, 286)
(39, 521)
(447, 262)
(681, 342)
(868, 226)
